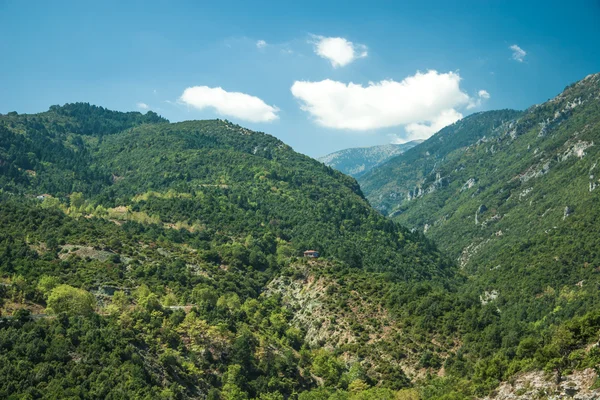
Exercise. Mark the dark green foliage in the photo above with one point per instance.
(86, 119)
(74, 357)
(226, 176)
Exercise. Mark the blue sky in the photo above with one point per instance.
(329, 75)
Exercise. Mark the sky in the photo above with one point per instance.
(319, 75)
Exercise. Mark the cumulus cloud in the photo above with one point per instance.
(482, 95)
(261, 44)
(518, 53)
(423, 103)
(338, 51)
(232, 104)
(142, 106)
(424, 130)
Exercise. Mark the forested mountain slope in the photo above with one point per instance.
(164, 260)
(156, 259)
(410, 175)
(211, 173)
(517, 206)
(518, 176)
(357, 161)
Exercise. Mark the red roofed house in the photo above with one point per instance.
(311, 254)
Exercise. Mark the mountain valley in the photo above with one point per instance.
(146, 259)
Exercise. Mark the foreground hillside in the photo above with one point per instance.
(157, 260)
(359, 160)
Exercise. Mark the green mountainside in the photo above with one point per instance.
(146, 259)
(158, 260)
(513, 198)
(506, 178)
(359, 160)
(409, 175)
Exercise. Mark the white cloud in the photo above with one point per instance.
(518, 53)
(482, 95)
(423, 103)
(425, 130)
(142, 106)
(261, 44)
(233, 104)
(338, 51)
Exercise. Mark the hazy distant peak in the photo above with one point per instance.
(358, 160)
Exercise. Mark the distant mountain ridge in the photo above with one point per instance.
(359, 160)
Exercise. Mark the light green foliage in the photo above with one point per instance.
(408, 394)
(65, 298)
(169, 300)
(357, 385)
(271, 396)
(328, 367)
(231, 388)
(120, 300)
(77, 200)
(229, 301)
(51, 202)
(204, 297)
(46, 284)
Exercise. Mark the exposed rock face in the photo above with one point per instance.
(357, 321)
(470, 251)
(482, 208)
(538, 385)
(310, 297)
(84, 252)
(468, 184)
(488, 297)
(568, 211)
(578, 150)
(535, 171)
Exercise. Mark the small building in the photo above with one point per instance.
(44, 196)
(311, 254)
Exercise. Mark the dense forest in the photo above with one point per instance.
(146, 259)
(160, 243)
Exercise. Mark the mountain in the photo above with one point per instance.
(513, 198)
(476, 174)
(357, 161)
(384, 185)
(142, 258)
(146, 259)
